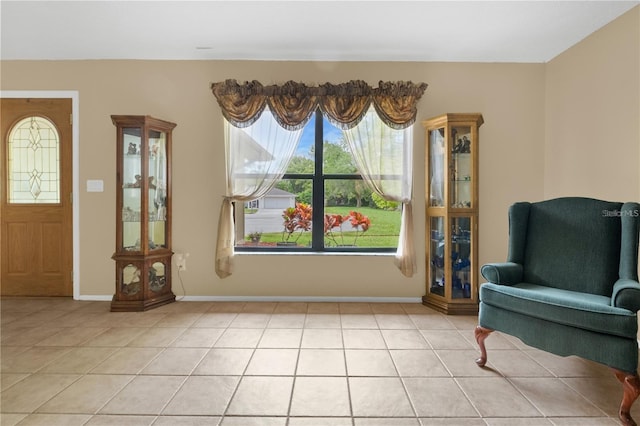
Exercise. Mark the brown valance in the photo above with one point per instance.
(292, 104)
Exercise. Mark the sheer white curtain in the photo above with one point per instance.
(384, 157)
(256, 158)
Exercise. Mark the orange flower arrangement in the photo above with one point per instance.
(358, 221)
(300, 218)
(296, 218)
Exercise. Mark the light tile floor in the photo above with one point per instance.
(68, 362)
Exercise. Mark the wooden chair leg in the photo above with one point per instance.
(481, 334)
(631, 389)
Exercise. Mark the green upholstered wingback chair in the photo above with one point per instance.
(569, 285)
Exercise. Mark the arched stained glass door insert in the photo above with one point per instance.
(33, 167)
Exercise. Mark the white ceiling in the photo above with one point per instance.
(347, 30)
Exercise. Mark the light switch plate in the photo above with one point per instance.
(95, 186)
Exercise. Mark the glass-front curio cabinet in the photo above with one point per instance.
(452, 212)
(143, 213)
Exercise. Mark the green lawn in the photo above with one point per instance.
(383, 232)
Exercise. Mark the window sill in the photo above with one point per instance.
(314, 253)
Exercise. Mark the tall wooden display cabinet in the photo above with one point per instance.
(452, 212)
(143, 213)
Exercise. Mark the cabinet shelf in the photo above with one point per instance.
(452, 213)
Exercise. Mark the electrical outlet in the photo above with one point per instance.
(181, 261)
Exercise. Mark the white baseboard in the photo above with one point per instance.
(94, 298)
(309, 299)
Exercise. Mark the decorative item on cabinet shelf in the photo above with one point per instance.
(152, 245)
(157, 278)
(437, 287)
(159, 215)
(131, 280)
(161, 198)
(459, 263)
(462, 146)
(154, 150)
(130, 215)
(133, 149)
(459, 235)
(436, 236)
(456, 178)
(460, 289)
(138, 182)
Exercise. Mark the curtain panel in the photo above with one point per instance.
(256, 158)
(384, 158)
(293, 103)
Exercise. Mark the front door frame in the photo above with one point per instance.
(75, 184)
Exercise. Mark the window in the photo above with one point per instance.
(321, 202)
(263, 125)
(34, 162)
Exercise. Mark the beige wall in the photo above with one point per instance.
(512, 156)
(592, 140)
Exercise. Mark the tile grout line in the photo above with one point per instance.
(395, 366)
(242, 374)
(244, 371)
(295, 377)
(346, 372)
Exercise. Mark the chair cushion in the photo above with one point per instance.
(582, 310)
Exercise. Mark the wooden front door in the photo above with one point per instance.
(36, 237)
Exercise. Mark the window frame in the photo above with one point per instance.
(318, 179)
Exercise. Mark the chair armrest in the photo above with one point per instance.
(626, 294)
(505, 273)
